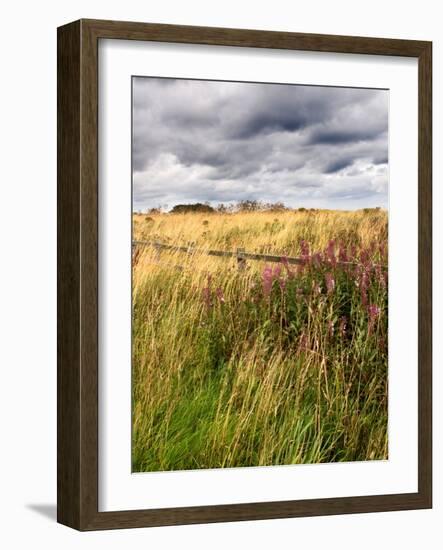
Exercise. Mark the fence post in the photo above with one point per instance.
(241, 260)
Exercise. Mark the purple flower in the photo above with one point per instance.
(364, 285)
(343, 255)
(330, 282)
(373, 311)
(206, 293)
(381, 275)
(365, 257)
(220, 296)
(277, 274)
(305, 253)
(284, 261)
(364, 297)
(330, 252)
(317, 259)
(304, 247)
(373, 314)
(282, 283)
(267, 279)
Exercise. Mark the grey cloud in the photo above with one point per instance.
(226, 141)
(332, 136)
(337, 165)
(382, 159)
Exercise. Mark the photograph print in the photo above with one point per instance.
(259, 274)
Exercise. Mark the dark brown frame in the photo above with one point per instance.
(77, 452)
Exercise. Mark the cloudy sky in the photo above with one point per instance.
(306, 146)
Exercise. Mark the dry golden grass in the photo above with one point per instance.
(227, 375)
(264, 232)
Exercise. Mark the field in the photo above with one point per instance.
(264, 363)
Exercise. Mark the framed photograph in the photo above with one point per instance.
(244, 274)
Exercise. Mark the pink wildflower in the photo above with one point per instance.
(381, 275)
(343, 255)
(374, 311)
(373, 314)
(305, 253)
(353, 252)
(365, 257)
(361, 275)
(304, 246)
(267, 280)
(284, 261)
(277, 274)
(220, 296)
(317, 259)
(330, 282)
(330, 252)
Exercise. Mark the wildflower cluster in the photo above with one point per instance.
(339, 288)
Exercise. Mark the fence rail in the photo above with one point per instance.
(240, 254)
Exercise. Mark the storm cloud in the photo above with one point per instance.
(310, 146)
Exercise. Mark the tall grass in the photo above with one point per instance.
(272, 364)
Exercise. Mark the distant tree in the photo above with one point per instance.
(195, 207)
(222, 208)
(275, 206)
(154, 211)
(249, 206)
(259, 206)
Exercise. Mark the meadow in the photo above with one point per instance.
(263, 363)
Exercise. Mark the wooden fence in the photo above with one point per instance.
(240, 254)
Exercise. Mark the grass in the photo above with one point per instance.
(273, 364)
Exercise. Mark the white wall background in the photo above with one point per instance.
(28, 271)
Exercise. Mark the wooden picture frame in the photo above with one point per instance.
(78, 244)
